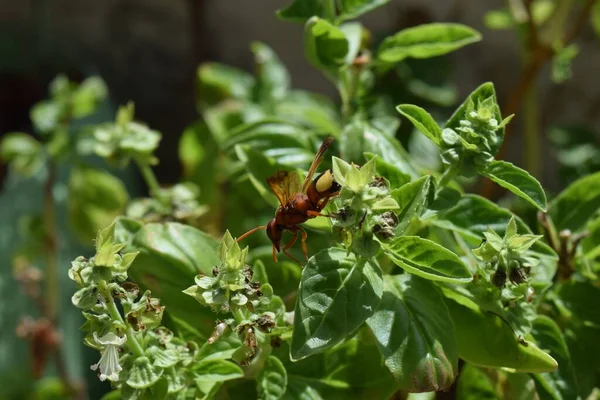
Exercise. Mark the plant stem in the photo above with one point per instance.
(446, 177)
(532, 132)
(152, 182)
(329, 9)
(111, 307)
(50, 241)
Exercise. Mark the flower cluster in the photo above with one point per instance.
(177, 203)
(364, 207)
(137, 352)
(506, 256)
(126, 139)
(231, 289)
(473, 144)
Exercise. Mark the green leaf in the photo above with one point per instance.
(486, 340)
(171, 255)
(425, 41)
(396, 177)
(559, 384)
(595, 18)
(301, 10)
(217, 82)
(473, 215)
(360, 137)
(517, 181)
(336, 295)
(45, 116)
(325, 45)
(413, 332)
(423, 121)
(23, 152)
(354, 35)
(88, 96)
(473, 384)
(95, 199)
(271, 383)
(216, 371)
(270, 134)
(273, 79)
(310, 110)
(427, 259)
(576, 204)
(350, 9)
(483, 92)
(413, 198)
(259, 169)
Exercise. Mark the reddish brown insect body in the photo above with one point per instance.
(298, 204)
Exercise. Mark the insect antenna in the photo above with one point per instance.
(250, 232)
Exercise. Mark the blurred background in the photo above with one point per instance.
(148, 51)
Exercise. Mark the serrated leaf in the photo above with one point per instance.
(325, 45)
(427, 40)
(517, 181)
(350, 9)
(271, 383)
(412, 198)
(336, 295)
(427, 259)
(576, 204)
(415, 341)
(423, 121)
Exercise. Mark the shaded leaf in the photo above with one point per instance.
(301, 10)
(96, 198)
(273, 79)
(484, 339)
(576, 204)
(336, 295)
(412, 329)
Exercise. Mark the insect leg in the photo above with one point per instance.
(303, 242)
(250, 232)
(314, 214)
(275, 254)
(291, 242)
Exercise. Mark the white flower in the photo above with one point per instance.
(109, 362)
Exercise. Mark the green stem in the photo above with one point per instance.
(531, 115)
(111, 307)
(238, 315)
(329, 9)
(150, 178)
(52, 290)
(446, 177)
(348, 92)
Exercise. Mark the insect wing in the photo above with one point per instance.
(284, 184)
(316, 162)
